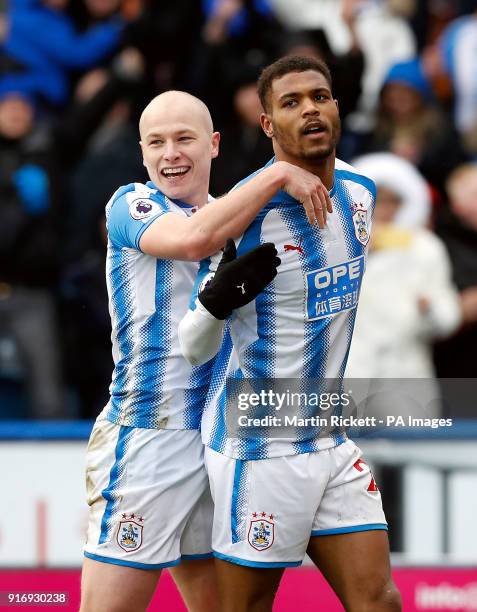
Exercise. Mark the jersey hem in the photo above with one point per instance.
(142, 425)
(289, 453)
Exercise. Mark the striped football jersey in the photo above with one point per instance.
(153, 386)
(300, 326)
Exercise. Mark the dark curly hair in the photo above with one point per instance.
(283, 66)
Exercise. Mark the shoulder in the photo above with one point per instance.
(131, 210)
(142, 201)
(251, 176)
(347, 172)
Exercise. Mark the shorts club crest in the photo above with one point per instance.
(129, 534)
(261, 533)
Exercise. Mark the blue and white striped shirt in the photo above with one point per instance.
(300, 326)
(153, 386)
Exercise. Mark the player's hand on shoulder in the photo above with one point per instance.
(309, 190)
(238, 280)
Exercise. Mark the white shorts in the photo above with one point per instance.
(266, 510)
(149, 496)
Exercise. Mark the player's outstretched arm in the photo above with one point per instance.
(174, 237)
(237, 281)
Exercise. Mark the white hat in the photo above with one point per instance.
(401, 177)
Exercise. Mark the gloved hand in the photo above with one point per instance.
(238, 280)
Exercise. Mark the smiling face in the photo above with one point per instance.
(178, 146)
(302, 117)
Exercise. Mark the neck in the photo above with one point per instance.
(201, 199)
(196, 199)
(322, 168)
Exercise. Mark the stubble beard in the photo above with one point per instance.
(317, 155)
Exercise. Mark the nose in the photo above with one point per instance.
(171, 151)
(310, 107)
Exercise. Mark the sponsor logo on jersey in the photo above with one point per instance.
(129, 534)
(334, 289)
(261, 533)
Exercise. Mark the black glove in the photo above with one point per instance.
(239, 280)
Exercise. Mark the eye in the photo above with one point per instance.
(155, 142)
(320, 97)
(185, 138)
(289, 104)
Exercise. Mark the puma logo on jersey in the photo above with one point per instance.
(292, 247)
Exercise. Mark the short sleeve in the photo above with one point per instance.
(129, 217)
(207, 269)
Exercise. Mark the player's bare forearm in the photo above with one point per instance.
(233, 213)
(230, 215)
(205, 232)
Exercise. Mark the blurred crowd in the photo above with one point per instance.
(74, 77)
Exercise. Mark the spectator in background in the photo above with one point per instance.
(43, 46)
(109, 155)
(48, 223)
(236, 33)
(243, 145)
(347, 69)
(459, 48)
(457, 226)
(167, 34)
(411, 125)
(104, 111)
(385, 38)
(407, 298)
(29, 216)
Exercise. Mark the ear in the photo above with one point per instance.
(266, 123)
(337, 105)
(215, 144)
(142, 150)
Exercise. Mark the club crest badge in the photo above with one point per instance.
(141, 209)
(261, 533)
(129, 535)
(360, 225)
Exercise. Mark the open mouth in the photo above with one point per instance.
(314, 129)
(173, 173)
